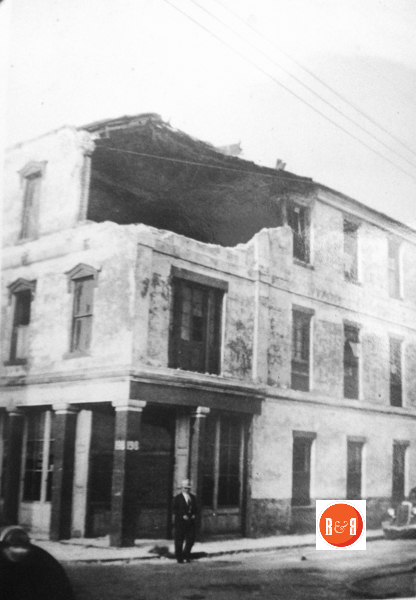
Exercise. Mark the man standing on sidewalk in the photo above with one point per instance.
(184, 510)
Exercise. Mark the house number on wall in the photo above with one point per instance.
(129, 445)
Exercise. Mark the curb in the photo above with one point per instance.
(202, 554)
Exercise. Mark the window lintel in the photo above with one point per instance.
(303, 309)
(359, 439)
(308, 435)
(32, 168)
(180, 273)
(22, 285)
(80, 271)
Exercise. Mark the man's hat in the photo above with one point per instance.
(186, 483)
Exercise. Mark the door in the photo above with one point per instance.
(155, 472)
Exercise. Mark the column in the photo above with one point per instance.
(65, 422)
(197, 456)
(126, 483)
(13, 466)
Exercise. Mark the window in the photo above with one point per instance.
(298, 220)
(38, 458)
(82, 281)
(399, 464)
(354, 469)
(22, 292)
(395, 372)
(394, 269)
(31, 176)
(195, 338)
(301, 468)
(301, 327)
(350, 251)
(223, 462)
(351, 361)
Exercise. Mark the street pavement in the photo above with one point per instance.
(98, 550)
(288, 573)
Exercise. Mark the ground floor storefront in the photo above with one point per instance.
(112, 468)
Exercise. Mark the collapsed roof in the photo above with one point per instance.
(145, 171)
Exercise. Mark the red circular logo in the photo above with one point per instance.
(341, 525)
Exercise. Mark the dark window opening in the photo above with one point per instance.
(301, 326)
(196, 327)
(395, 372)
(354, 470)
(301, 471)
(82, 314)
(351, 362)
(399, 462)
(350, 251)
(21, 321)
(298, 220)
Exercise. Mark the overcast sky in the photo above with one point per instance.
(77, 61)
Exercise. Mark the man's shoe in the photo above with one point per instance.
(180, 560)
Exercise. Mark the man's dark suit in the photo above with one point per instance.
(184, 515)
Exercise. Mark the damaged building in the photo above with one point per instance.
(171, 310)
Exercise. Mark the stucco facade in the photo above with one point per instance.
(124, 424)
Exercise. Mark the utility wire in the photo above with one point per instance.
(328, 87)
(295, 178)
(290, 91)
(341, 112)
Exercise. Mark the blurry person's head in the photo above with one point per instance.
(186, 486)
(15, 543)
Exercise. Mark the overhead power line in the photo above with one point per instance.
(289, 90)
(332, 106)
(323, 83)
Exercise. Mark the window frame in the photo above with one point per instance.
(351, 487)
(352, 360)
(208, 349)
(17, 289)
(394, 269)
(396, 379)
(299, 220)
(46, 442)
(351, 249)
(301, 367)
(77, 277)
(213, 462)
(302, 480)
(31, 177)
(397, 495)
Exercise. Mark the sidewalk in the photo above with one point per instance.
(98, 550)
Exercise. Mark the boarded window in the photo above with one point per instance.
(395, 372)
(350, 251)
(301, 470)
(298, 220)
(223, 462)
(301, 326)
(352, 351)
(399, 463)
(196, 327)
(21, 321)
(82, 314)
(38, 465)
(30, 205)
(394, 269)
(354, 470)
